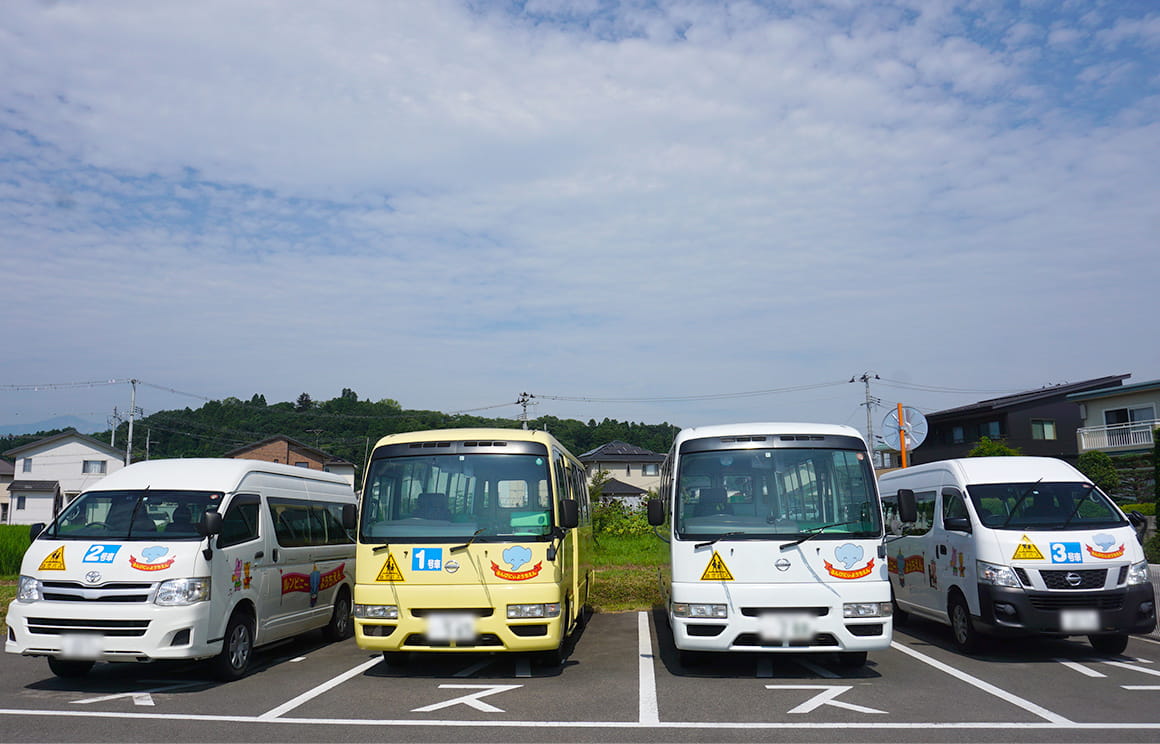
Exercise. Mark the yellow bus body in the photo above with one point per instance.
(439, 574)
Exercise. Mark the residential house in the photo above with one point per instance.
(634, 471)
(289, 451)
(1039, 422)
(1118, 420)
(6, 473)
(52, 471)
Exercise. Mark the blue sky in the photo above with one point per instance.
(636, 205)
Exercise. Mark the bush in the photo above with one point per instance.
(1152, 548)
(14, 540)
(614, 517)
(1148, 510)
(1099, 467)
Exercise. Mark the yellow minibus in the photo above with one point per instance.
(472, 540)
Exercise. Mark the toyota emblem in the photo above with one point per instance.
(1073, 579)
(93, 577)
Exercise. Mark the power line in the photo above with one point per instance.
(675, 398)
(937, 389)
(37, 387)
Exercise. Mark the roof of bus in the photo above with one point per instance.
(778, 428)
(1016, 469)
(481, 433)
(201, 474)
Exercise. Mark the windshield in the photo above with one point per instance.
(1043, 506)
(133, 515)
(779, 493)
(453, 496)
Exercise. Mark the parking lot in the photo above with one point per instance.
(621, 682)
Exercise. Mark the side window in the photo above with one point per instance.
(240, 522)
(292, 524)
(953, 505)
(331, 517)
(924, 501)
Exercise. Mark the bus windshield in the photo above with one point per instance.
(431, 498)
(134, 515)
(1043, 506)
(780, 493)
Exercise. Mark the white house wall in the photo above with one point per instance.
(63, 461)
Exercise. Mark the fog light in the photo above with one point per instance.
(1003, 608)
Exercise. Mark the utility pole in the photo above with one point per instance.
(871, 401)
(114, 421)
(132, 413)
(524, 400)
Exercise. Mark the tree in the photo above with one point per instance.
(304, 403)
(986, 447)
(1100, 469)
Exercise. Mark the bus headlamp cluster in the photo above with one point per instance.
(993, 573)
(1138, 573)
(867, 609)
(516, 611)
(687, 609)
(29, 589)
(182, 592)
(376, 612)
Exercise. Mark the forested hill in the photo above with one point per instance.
(345, 427)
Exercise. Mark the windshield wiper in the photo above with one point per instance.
(470, 540)
(1019, 501)
(380, 548)
(815, 531)
(707, 543)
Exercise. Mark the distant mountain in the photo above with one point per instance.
(60, 422)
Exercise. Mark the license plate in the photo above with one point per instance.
(786, 626)
(455, 627)
(1079, 621)
(80, 646)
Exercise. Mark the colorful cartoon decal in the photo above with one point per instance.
(314, 582)
(54, 561)
(932, 575)
(100, 553)
(716, 570)
(241, 576)
(516, 556)
(151, 556)
(1027, 551)
(1065, 552)
(390, 570)
(1104, 542)
(848, 554)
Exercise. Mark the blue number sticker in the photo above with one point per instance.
(427, 559)
(100, 554)
(1066, 552)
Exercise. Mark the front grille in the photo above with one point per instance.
(874, 629)
(1092, 578)
(56, 626)
(72, 591)
(477, 611)
(1022, 574)
(1102, 601)
(759, 611)
(752, 640)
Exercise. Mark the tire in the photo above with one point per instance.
(1110, 645)
(237, 648)
(852, 659)
(963, 633)
(69, 669)
(341, 625)
(551, 659)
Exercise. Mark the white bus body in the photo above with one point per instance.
(776, 541)
(187, 559)
(1016, 546)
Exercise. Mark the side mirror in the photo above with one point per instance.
(349, 516)
(1137, 519)
(35, 530)
(569, 514)
(957, 524)
(907, 506)
(656, 512)
(210, 524)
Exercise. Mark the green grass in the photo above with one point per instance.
(629, 572)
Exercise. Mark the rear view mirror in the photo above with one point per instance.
(957, 524)
(349, 516)
(907, 508)
(210, 524)
(569, 514)
(656, 512)
(35, 530)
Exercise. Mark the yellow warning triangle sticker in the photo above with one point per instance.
(390, 570)
(1027, 551)
(54, 561)
(716, 570)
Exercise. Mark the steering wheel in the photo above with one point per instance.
(103, 525)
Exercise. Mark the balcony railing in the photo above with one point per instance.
(1136, 435)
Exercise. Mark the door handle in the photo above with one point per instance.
(275, 558)
(942, 550)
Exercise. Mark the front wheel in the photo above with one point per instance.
(963, 633)
(69, 669)
(341, 625)
(237, 648)
(1110, 645)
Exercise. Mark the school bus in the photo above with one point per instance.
(472, 540)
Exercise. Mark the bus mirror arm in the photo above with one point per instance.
(210, 525)
(557, 534)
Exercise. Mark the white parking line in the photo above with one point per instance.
(649, 711)
(986, 687)
(311, 694)
(1076, 666)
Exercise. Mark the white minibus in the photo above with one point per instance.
(187, 559)
(1015, 546)
(775, 535)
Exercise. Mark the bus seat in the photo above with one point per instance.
(432, 505)
(711, 501)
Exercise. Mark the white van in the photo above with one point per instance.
(1011, 546)
(187, 559)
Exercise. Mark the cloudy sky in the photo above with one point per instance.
(638, 209)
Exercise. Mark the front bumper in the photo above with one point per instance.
(1008, 611)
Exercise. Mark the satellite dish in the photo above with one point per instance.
(913, 424)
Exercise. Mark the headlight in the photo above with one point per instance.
(684, 609)
(552, 609)
(29, 589)
(378, 612)
(991, 573)
(867, 609)
(180, 592)
(1138, 573)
